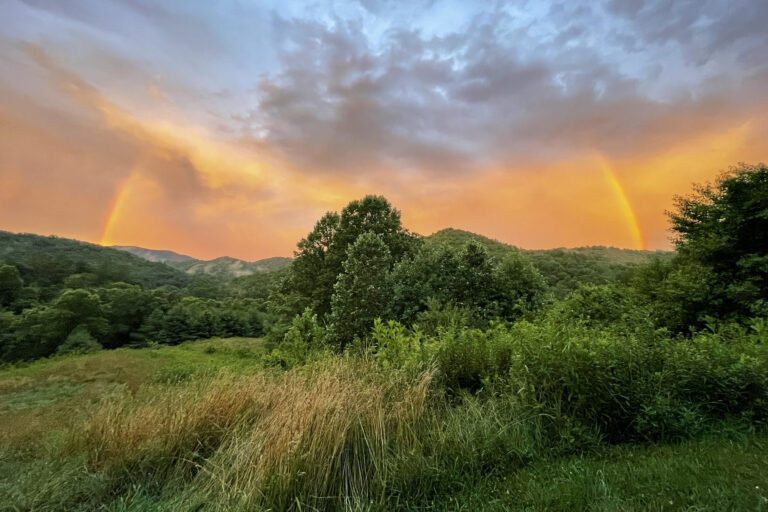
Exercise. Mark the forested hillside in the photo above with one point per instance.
(59, 296)
(563, 269)
(49, 261)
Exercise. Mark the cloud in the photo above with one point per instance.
(493, 93)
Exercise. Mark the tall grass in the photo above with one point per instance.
(317, 436)
(395, 430)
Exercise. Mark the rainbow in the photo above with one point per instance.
(116, 208)
(626, 207)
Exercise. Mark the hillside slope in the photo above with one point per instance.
(153, 254)
(47, 260)
(229, 268)
(224, 267)
(564, 269)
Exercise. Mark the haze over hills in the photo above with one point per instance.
(154, 254)
(224, 267)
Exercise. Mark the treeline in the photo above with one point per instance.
(59, 296)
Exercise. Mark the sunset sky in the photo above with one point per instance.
(223, 127)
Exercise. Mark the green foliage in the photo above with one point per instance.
(360, 293)
(429, 274)
(723, 228)
(438, 317)
(519, 287)
(193, 318)
(595, 377)
(604, 306)
(470, 280)
(79, 341)
(36, 333)
(321, 255)
(125, 307)
(10, 284)
(305, 340)
(396, 347)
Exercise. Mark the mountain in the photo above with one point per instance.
(222, 268)
(228, 268)
(50, 260)
(563, 269)
(154, 255)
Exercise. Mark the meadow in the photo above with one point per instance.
(213, 425)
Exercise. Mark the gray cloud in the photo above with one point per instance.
(497, 92)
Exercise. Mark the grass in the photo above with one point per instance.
(37, 399)
(715, 473)
(204, 426)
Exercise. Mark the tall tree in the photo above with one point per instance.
(519, 286)
(360, 294)
(724, 228)
(320, 256)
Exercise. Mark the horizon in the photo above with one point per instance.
(291, 256)
(229, 129)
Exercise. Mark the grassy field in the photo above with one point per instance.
(38, 399)
(204, 426)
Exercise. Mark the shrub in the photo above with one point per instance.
(304, 340)
(79, 341)
(400, 348)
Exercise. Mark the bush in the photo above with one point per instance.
(399, 348)
(79, 341)
(305, 340)
(620, 384)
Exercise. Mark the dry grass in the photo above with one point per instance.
(316, 436)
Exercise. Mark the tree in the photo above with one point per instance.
(313, 273)
(79, 341)
(36, 333)
(10, 284)
(431, 273)
(474, 286)
(321, 255)
(125, 307)
(360, 293)
(520, 288)
(724, 228)
(82, 307)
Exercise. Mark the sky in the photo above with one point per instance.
(226, 127)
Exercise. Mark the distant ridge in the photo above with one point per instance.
(224, 267)
(153, 254)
